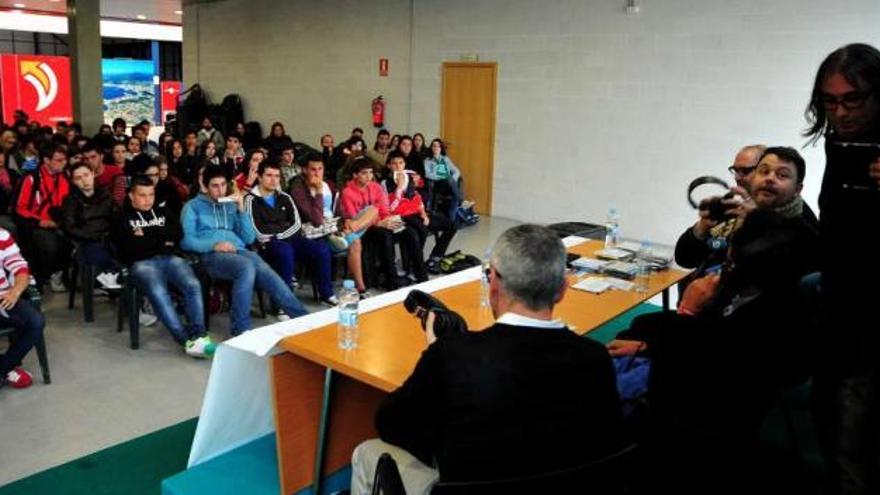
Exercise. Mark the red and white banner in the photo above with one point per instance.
(37, 84)
(170, 91)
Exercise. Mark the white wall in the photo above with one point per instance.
(607, 108)
(311, 64)
(595, 107)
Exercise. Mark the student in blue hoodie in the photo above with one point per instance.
(216, 227)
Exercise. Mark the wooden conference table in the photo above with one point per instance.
(325, 398)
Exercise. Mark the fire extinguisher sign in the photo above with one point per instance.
(383, 67)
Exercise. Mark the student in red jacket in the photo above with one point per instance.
(39, 199)
(359, 194)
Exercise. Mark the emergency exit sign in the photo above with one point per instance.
(383, 67)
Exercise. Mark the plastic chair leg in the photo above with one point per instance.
(133, 313)
(43, 358)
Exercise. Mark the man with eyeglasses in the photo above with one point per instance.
(522, 397)
(845, 109)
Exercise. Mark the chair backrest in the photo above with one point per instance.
(608, 475)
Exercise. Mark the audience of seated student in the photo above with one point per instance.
(316, 201)
(546, 400)
(104, 174)
(360, 193)
(248, 175)
(146, 237)
(277, 141)
(220, 231)
(415, 163)
(191, 147)
(289, 168)
(141, 132)
(166, 194)
(233, 157)
(394, 143)
(209, 133)
(208, 152)
(327, 156)
(86, 217)
(168, 182)
(420, 148)
(379, 153)
(349, 152)
(405, 201)
(444, 177)
(36, 212)
(8, 181)
(119, 127)
(278, 225)
(12, 156)
(17, 313)
(697, 348)
(180, 164)
(132, 149)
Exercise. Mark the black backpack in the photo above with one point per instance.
(192, 106)
(233, 113)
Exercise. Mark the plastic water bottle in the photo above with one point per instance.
(612, 228)
(484, 279)
(643, 267)
(349, 298)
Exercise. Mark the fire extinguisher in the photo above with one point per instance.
(378, 111)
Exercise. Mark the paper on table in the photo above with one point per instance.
(596, 285)
(590, 264)
(619, 284)
(613, 254)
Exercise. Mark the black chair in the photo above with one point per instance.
(85, 272)
(130, 300)
(608, 475)
(33, 295)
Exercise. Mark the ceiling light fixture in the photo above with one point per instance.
(141, 17)
(18, 5)
(178, 12)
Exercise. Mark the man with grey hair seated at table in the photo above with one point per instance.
(524, 396)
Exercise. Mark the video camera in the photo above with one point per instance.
(714, 205)
(446, 321)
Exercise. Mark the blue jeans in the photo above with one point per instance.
(28, 322)
(245, 269)
(154, 275)
(281, 254)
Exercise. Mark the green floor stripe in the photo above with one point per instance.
(608, 331)
(134, 467)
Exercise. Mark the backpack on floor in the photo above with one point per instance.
(466, 216)
(457, 261)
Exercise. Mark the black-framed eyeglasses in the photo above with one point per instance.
(741, 171)
(850, 101)
(489, 270)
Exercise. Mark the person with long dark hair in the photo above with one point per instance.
(844, 108)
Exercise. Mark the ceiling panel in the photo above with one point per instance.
(163, 11)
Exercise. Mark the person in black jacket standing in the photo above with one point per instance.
(523, 396)
(845, 109)
(147, 237)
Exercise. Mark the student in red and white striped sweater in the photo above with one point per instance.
(15, 312)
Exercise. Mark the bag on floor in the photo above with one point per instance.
(458, 261)
(466, 216)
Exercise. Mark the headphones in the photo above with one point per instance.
(700, 181)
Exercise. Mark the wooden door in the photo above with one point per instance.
(467, 126)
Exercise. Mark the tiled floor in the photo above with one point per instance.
(103, 393)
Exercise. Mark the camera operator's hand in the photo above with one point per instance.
(704, 225)
(741, 204)
(429, 328)
(874, 171)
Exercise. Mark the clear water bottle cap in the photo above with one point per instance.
(348, 283)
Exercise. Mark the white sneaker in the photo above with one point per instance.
(109, 280)
(331, 301)
(56, 282)
(282, 316)
(201, 347)
(147, 316)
